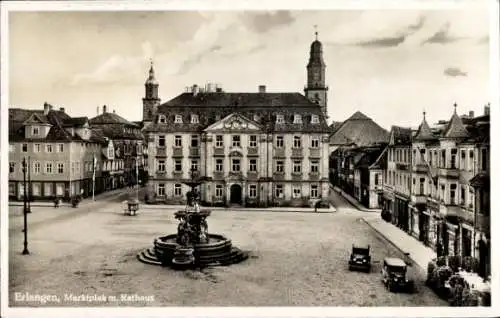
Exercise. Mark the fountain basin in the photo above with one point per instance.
(218, 251)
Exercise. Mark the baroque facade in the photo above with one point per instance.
(256, 149)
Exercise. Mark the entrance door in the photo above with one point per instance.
(236, 194)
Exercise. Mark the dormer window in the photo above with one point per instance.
(178, 119)
(280, 119)
(297, 119)
(35, 131)
(162, 119)
(314, 119)
(194, 119)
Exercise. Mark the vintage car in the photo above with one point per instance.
(394, 275)
(360, 258)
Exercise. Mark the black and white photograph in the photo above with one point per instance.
(230, 156)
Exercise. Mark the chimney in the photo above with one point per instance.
(104, 109)
(46, 108)
(218, 89)
(487, 109)
(262, 88)
(471, 114)
(196, 90)
(61, 109)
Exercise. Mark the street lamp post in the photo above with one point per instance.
(26, 210)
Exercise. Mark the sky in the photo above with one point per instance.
(391, 65)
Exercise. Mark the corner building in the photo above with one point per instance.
(253, 149)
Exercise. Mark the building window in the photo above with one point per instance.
(195, 140)
(162, 119)
(296, 191)
(194, 165)
(178, 119)
(219, 191)
(36, 167)
(48, 148)
(48, 167)
(280, 166)
(219, 165)
(252, 191)
(484, 159)
(60, 167)
(178, 141)
(453, 190)
(12, 148)
(219, 141)
(443, 158)
(314, 166)
(422, 184)
(280, 119)
(161, 166)
(314, 191)
(235, 165)
(462, 196)
(278, 191)
(60, 147)
(297, 142)
(253, 165)
(253, 141)
(297, 166)
(24, 148)
(297, 119)
(12, 167)
(315, 142)
(161, 189)
(453, 159)
(377, 177)
(35, 131)
(178, 189)
(36, 148)
(194, 119)
(236, 141)
(178, 165)
(463, 163)
(314, 119)
(279, 141)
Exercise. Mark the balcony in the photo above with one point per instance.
(194, 152)
(161, 152)
(315, 153)
(253, 175)
(420, 168)
(297, 153)
(297, 176)
(253, 152)
(279, 152)
(178, 175)
(419, 198)
(161, 174)
(235, 174)
(177, 152)
(449, 173)
(314, 176)
(402, 166)
(219, 152)
(218, 175)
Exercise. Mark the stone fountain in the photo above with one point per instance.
(192, 246)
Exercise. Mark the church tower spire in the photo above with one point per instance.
(151, 100)
(316, 89)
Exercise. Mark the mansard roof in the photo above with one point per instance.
(212, 107)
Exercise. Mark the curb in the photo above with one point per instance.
(166, 207)
(424, 270)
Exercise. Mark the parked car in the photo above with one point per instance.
(394, 272)
(360, 258)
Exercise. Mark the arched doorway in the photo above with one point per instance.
(235, 194)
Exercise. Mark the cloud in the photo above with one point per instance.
(392, 41)
(454, 72)
(442, 36)
(193, 60)
(266, 21)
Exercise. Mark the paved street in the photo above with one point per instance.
(296, 259)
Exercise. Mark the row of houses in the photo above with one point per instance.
(433, 181)
(63, 156)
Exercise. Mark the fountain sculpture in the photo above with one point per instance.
(192, 246)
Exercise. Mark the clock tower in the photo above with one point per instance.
(316, 89)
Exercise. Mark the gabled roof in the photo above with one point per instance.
(360, 130)
(455, 128)
(369, 157)
(334, 126)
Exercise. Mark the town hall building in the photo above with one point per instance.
(250, 148)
